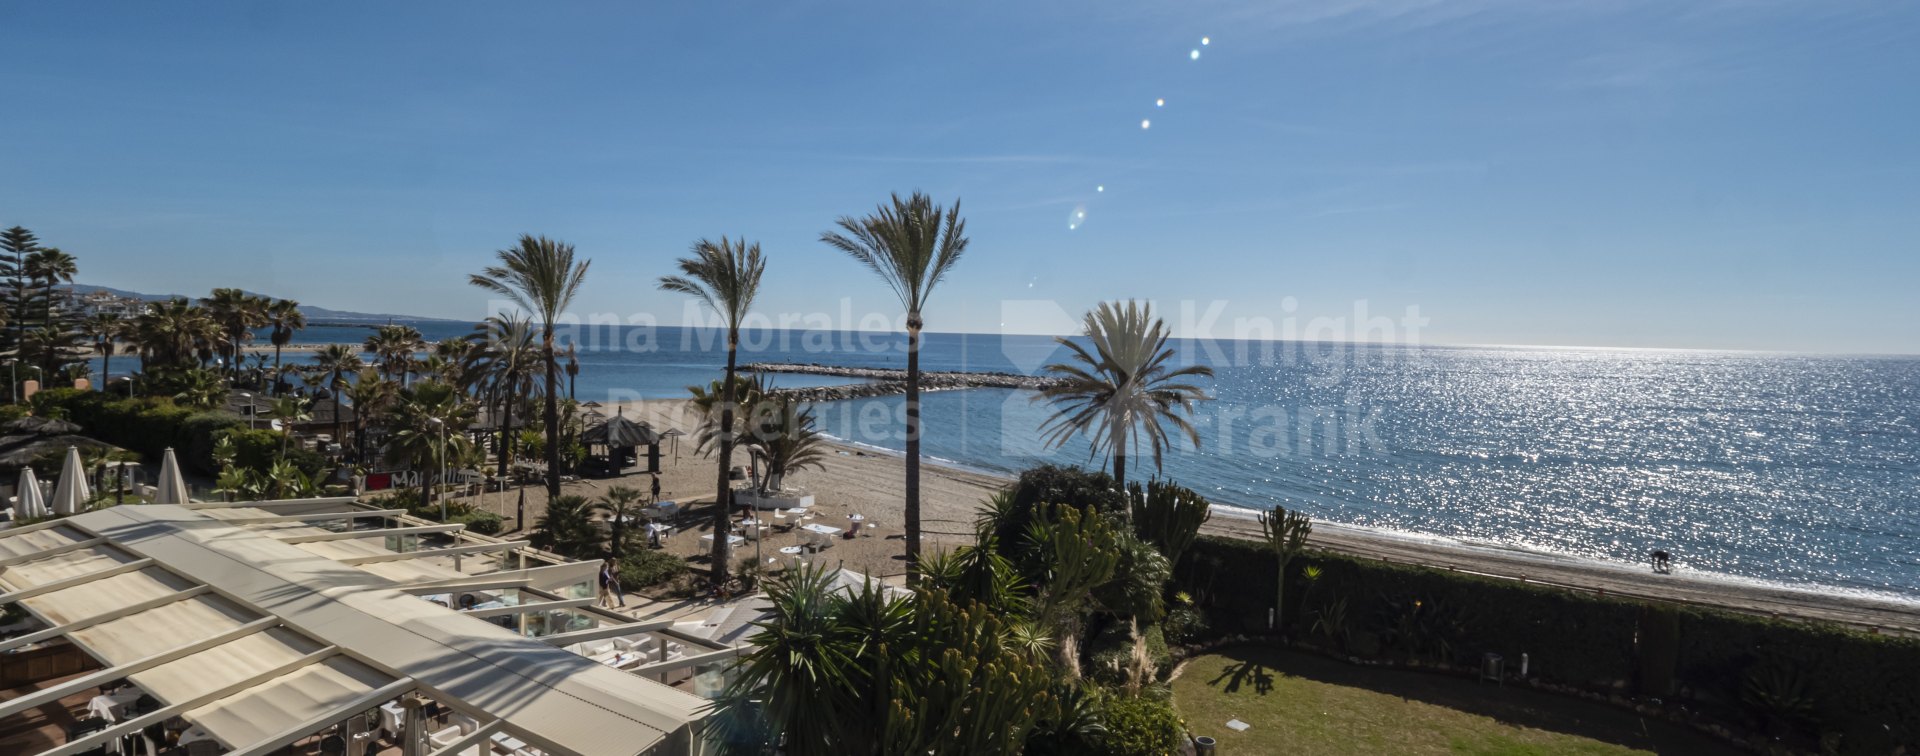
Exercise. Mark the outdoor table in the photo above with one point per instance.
(732, 540)
(792, 555)
(391, 715)
(109, 706)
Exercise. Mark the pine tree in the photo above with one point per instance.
(16, 290)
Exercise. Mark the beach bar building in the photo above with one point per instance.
(325, 626)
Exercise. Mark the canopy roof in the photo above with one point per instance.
(619, 431)
(247, 624)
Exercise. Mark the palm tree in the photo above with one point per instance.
(563, 529)
(911, 245)
(172, 334)
(726, 276)
(197, 387)
(285, 317)
(1124, 389)
(781, 433)
(393, 346)
(290, 411)
(105, 330)
(540, 276)
(337, 360)
(503, 358)
(622, 503)
(708, 401)
(237, 313)
(429, 428)
(370, 394)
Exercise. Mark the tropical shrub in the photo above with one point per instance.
(1142, 726)
(478, 521)
(640, 568)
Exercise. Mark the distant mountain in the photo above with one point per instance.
(313, 312)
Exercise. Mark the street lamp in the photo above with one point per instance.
(440, 457)
(13, 376)
(250, 410)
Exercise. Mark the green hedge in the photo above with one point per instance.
(1865, 687)
(150, 426)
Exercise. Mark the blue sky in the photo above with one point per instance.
(1710, 174)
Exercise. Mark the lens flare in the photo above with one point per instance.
(1100, 188)
(1077, 217)
(1195, 55)
(1160, 103)
(1146, 124)
(1204, 41)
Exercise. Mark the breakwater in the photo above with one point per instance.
(888, 381)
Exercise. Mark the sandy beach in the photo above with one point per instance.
(857, 481)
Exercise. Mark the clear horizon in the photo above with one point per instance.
(1628, 175)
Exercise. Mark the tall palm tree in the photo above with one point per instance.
(726, 276)
(1124, 389)
(370, 394)
(429, 427)
(503, 358)
(104, 329)
(911, 244)
(285, 317)
(337, 360)
(393, 346)
(540, 276)
(172, 334)
(238, 313)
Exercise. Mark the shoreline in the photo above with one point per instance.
(868, 480)
(1731, 592)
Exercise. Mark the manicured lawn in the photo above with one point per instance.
(1304, 705)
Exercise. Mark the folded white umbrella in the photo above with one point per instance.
(70, 495)
(28, 502)
(172, 486)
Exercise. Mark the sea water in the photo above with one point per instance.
(1789, 469)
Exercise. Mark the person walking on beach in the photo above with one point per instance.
(1662, 562)
(656, 488)
(606, 573)
(610, 593)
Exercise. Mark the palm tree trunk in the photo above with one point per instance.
(553, 416)
(106, 369)
(913, 447)
(336, 389)
(1119, 441)
(276, 370)
(723, 490)
(506, 427)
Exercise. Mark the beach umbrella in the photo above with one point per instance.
(172, 486)
(28, 502)
(71, 493)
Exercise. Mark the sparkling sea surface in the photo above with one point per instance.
(1788, 469)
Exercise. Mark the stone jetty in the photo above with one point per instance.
(888, 381)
